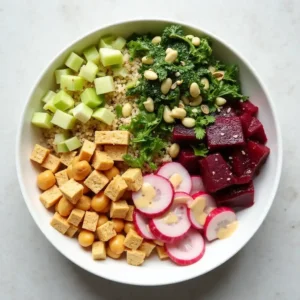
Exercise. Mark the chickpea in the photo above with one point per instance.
(86, 238)
(81, 170)
(46, 180)
(118, 225)
(128, 226)
(70, 171)
(116, 244)
(84, 203)
(107, 208)
(174, 150)
(64, 207)
(112, 254)
(100, 202)
(102, 219)
(111, 173)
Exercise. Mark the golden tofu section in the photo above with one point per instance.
(133, 240)
(106, 231)
(116, 188)
(90, 221)
(76, 216)
(96, 181)
(116, 152)
(61, 177)
(87, 150)
(147, 248)
(39, 154)
(162, 253)
(117, 137)
(67, 157)
(98, 250)
(102, 161)
(51, 163)
(72, 230)
(135, 257)
(72, 190)
(133, 178)
(59, 223)
(129, 215)
(119, 209)
(51, 196)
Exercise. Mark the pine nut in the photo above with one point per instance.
(205, 109)
(166, 85)
(181, 104)
(174, 86)
(185, 100)
(174, 150)
(211, 69)
(179, 82)
(205, 82)
(196, 101)
(168, 50)
(178, 113)
(188, 122)
(194, 90)
(156, 40)
(167, 115)
(196, 41)
(150, 75)
(149, 104)
(177, 74)
(219, 75)
(220, 101)
(189, 36)
(171, 56)
(126, 110)
(147, 60)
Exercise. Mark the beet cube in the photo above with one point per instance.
(216, 173)
(248, 107)
(182, 134)
(238, 196)
(227, 111)
(258, 154)
(225, 132)
(189, 160)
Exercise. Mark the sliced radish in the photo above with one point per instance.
(178, 176)
(172, 226)
(197, 185)
(182, 197)
(141, 225)
(187, 251)
(155, 197)
(219, 220)
(198, 209)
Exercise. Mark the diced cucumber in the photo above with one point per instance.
(74, 62)
(89, 71)
(42, 120)
(104, 115)
(106, 41)
(63, 120)
(48, 96)
(91, 99)
(63, 101)
(73, 143)
(104, 85)
(60, 137)
(130, 85)
(70, 111)
(61, 147)
(60, 72)
(119, 71)
(82, 112)
(110, 57)
(119, 43)
(92, 54)
(50, 106)
(71, 83)
(102, 71)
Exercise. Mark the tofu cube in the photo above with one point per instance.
(76, 216)
(51, 196)
(158, 243)
(116, 152)
(129, 215)
(72, 230)
(116, 188)
(117, 137)
(96, 181)
(119, 209)
(102, 161)
(106, 231)
(133, 240)
(51, 163)
(162, 253)
(61, 177)
(39, 154)
(90, 221)
(72, 190)
(135, 257)
(59, 223)
(133, 178)
(98, 250)
(87, 150)
(147, 248)
(67, 157)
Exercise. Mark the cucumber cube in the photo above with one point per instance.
(82, 112)
(60, 137)
(59, 73)
(50, 106)
(104, 115)
(110, 57)
(74, 62)
(89, 71)
(91, 99)
(71, 83)
(42, 120)
(130, 85)
(73, 143)
(63, 101)
(61, 147)
(104, 85)
(119, 43)
(48, 96)
(119, 71)
(92, 54)
(106, 42)
(63, 120)
(70, 111)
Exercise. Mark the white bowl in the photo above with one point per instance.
(153, 272)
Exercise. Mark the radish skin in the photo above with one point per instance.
(197, 185)
(142, 226)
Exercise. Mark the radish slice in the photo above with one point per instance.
(141, 226)
(197, 185)
(172, 226)
(178, 176)
(198, 209)
(181, 197)
(217, 220)
(187, 251)
(155, 197)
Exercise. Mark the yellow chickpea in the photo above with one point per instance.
(116, 244)
(100, 202)
(107, 208)
(112, 254)
(46, 180)
(128, 226)
(102, 219)
(111, 173)
(85, 188)
(70, 171)
(118, 225)
(64, 207)
(86, 238)
(84, 203)
(81, 170)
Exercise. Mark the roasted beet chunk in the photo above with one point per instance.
(225, 132)
(189, 160)
(182, 134)
(258, 154)
(248, 107)
(216, 173)
(227, 111)
(238, 196)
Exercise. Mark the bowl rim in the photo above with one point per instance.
(215, 37)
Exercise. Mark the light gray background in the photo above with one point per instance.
(266, 32)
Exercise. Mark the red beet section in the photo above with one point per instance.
(189, 160)
(248, 107)
(225, 132)
(227, 111)
(216, 173)
(182, 134)
(258, 154)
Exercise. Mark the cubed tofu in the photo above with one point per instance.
(61, 177)
(72, 190)
(51, 196)
(117, 137)
(39, 154)
(106, 231)
(76, 216)
(98, 250)
(111, 173)
(72, 230)
(119, 209)
(133, 178)
(135, 257)
(90, 221)
(129, 215)
(96, 181)
(87, 150)
(51, 163)
(158, 243)
(116, 188)
(102, 161)
(147, 247)
(116, 152)
(133, 240)
(59, 223)
(162, 253)
(67, 157)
